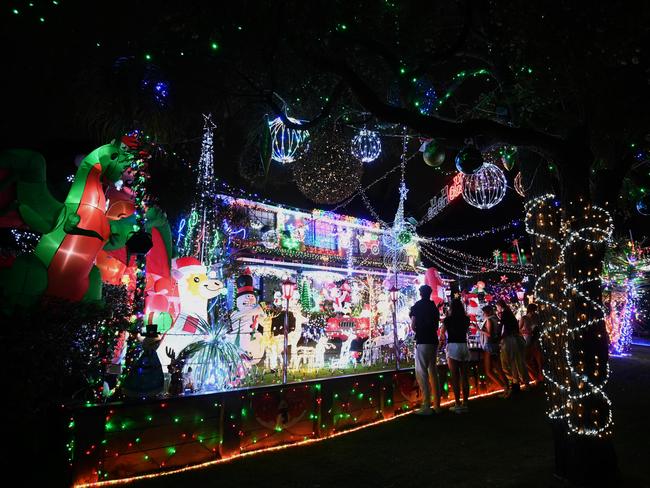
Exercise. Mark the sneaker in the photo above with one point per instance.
(456, 409)
(425, 412)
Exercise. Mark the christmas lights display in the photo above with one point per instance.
(287, 145)
(624, 277)
(366, 146)
(576, 383)
(201, 236)
(73, 231)
(330, 174)
(485, 188)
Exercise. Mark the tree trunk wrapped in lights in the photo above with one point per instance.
(569, 249)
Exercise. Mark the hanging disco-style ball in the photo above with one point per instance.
(366, 146)
(643, 205)
(485, 188)
(433, 155)
(287, 144)
(469, 160)
(329, 175)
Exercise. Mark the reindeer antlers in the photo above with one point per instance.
(170, 353)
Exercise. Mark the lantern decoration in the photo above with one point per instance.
(394, 294)
(287, 289)
(519, 187)
(469, 160)
(432, 154)
(287, 144)
(485, 188)
(330, 174)
(366, 146)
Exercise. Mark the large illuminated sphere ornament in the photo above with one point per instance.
(485, 188)
(330, 174)
(469, 160)
(643, 205)
(433, 155)
(366, 146)
(287, 145)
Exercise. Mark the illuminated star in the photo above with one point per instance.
(504, 278)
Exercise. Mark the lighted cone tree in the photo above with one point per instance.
(202, 234)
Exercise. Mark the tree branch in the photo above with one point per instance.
(487, 131)
(325, 111)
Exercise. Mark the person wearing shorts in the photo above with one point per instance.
(425, 319)
(455, 326)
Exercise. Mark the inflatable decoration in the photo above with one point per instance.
(195, 288)
(62, 265)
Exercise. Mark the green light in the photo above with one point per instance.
(176, 419)
(16, 11)
(214, 46)
(243, 412)
(55, 2)
(402, 70)
(149, 418)
(42, 19)
(147, 56)
(171, 451)
(360, 396)
(146, 457)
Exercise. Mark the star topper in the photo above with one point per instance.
(504, 278)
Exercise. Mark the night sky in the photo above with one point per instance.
(78, 73)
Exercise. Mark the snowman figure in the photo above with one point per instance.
(247, 320)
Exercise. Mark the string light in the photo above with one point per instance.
(571, 387)
(515, 223)
(485, 188)
(287, 144)
(366, 146)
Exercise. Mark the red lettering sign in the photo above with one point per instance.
(456, 187)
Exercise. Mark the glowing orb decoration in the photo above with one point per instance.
(433, 155)
(485, 188)
(330, 174)
(270, 239)
(366, 146)
(643, 205)
(287, 144)
(469, 160)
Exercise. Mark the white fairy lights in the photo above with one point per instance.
(576, 382)
(366, 146)
(287, 144)
(485, 188)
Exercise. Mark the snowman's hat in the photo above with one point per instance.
(245, 283)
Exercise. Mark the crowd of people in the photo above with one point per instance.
(511, 351)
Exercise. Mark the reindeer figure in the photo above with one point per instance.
(175, 369)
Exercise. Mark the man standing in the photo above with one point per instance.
(425, 319)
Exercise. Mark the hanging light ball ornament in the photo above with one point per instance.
(366, 146)
(469, 160)
(287, 145)
(433, 155)
(330, 174)
(643, 205)
(485, 188)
